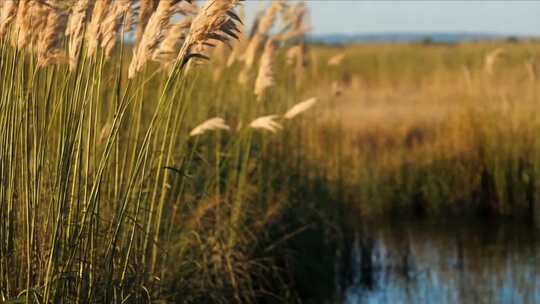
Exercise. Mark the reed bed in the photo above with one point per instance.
(117, 185)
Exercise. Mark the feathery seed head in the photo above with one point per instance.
(215, 123)
(80, 14)
(267, 21)
(112, 24)
(175, 34)
(252, 49)
(93, 31)
(153, 35)
(7, 14)
(146, 9)
(49, 48)
(265, 77)
(261, 27)
(300, 108)
(22, 33)
(168, 48)
(215, 22)
(268, 123)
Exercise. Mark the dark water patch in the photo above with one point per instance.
(456, 261)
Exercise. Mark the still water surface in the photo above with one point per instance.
(443, 262)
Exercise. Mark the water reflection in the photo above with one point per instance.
(488, 262)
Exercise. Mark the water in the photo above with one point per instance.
(459, 262)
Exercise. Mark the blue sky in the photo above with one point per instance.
(363, 16)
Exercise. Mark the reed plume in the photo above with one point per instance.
(186, 8)
(268, 123)
(153, 35)
(211, 124)
(295, 30)
(80, 14)
(49, 47)
(294, 19)
(129, 19)
(300, 108)
(22, 25)
(265, 77)
(252, 49)
(146, 9)
(113, 24)
(168, 48)
(263, 26)
(37, 18)
(216, 21)
(175, 34)
(7, 14)
(267, 21)
(93, 31)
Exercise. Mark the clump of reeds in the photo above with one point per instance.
(108, 184)
(100, 24)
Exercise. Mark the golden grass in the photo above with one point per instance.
(413, 106)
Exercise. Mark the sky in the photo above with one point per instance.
(511, 17)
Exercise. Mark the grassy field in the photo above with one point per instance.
(432, 126)
(110, 193)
